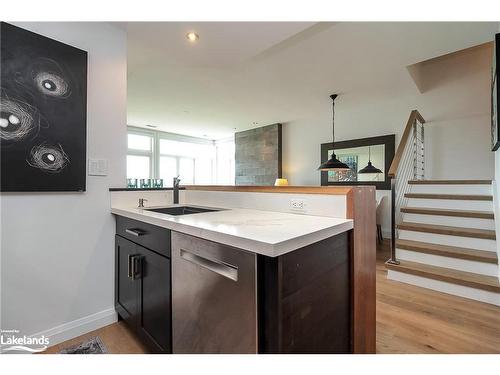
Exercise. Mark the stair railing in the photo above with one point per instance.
(408, 164)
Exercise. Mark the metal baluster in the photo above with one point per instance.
(393, 220)
(423, 152)
(415, 152)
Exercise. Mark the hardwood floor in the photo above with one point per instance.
(409, 320)
(417, 320)
(116, 337)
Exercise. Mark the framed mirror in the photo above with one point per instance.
(356, 153)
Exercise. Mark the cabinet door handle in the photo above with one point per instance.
(129, 268)
(135, 232)
(136, 267)
(134, 270)
(217, 266)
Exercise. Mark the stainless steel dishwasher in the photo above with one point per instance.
(214, 301)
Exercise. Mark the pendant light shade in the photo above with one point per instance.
(333, 164)
(370, 168)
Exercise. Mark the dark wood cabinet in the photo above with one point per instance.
(143, 288)
(154, 300)
(126, 289)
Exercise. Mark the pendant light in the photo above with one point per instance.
(333, 164)
(370, 168)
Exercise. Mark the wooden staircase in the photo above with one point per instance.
(446, 239)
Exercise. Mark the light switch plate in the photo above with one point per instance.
(98, 167)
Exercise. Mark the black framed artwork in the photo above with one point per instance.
(43, 107)
(495, 95)
(356, 153)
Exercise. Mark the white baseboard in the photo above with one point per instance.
(79, 327)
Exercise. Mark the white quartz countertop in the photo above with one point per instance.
(262, 232)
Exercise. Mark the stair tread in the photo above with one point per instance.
(448, 251)
(469, 279)
(447, 230)
(466, 197)
(448, 212)
(449, 182)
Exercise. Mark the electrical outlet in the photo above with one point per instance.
(298, 204)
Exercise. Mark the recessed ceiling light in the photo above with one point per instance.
(192, 36)
(151, 126)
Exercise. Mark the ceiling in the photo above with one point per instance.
(241, 75)
(221, 45)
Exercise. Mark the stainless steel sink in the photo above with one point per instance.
(181, 210)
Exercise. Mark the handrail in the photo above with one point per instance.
(408, 163)
(414, 116)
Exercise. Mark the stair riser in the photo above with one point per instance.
(462, 222)
(452, 189)
(481, 268)
(445, 287)
(466, 242)
(451, 204)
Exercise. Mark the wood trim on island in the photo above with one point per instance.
(328, 190)
(361, 208)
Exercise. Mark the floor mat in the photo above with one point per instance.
(93, 345)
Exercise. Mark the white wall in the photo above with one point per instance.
(57, 249)
(455, 104)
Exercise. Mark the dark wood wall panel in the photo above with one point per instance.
(309, 311)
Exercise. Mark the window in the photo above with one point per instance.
(138, 166)
(225, 162)
(163, 155)
(139, 155)
(193, 161)
(186, 170)
(168, 169)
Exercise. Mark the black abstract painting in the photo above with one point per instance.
(43, 109)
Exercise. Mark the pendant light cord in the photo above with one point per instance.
(333, 121)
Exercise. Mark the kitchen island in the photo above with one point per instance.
(242, 281)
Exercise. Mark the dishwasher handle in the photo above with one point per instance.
(219, 267)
